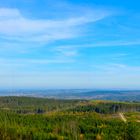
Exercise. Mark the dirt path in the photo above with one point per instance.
(122, 117)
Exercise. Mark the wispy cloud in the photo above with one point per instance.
(68, 52)
(117, 68)
(102, 44)
(116, 43)
(14, 26)
(12, 62)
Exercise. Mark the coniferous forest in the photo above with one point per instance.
(28, 118)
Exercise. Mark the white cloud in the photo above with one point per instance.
(117, 69)
(6, 13)
(12, 62)
(116, 43)
(14, 26)
(68, 52)
(101, 44)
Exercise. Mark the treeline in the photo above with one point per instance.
(105, 107)
(27, 105)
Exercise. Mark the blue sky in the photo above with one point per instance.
(70, 44)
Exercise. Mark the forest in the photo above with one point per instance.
(30, 118)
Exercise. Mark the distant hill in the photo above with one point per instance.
(120, 95)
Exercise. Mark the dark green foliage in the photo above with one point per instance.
(107, 107)
(27, 105)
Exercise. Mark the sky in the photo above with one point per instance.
(70, 44)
